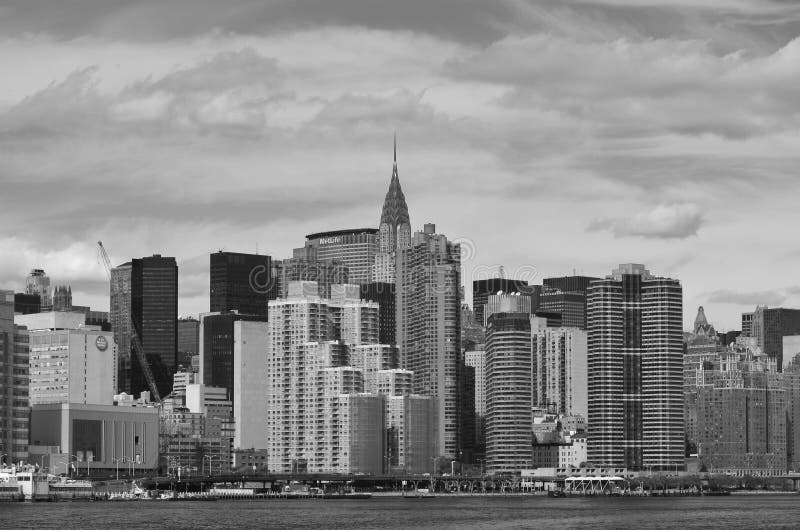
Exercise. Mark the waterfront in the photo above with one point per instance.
(441, 512)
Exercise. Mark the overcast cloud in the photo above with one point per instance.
(555, 136)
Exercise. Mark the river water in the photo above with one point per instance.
(762, 511)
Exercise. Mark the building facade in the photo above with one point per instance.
(14, 383)
(249, 379)
(428, 327)
(508, 392)
(559, 369)
(566, 295)
(356, 249)
(770, 325)
(483, 288)
(240, 282)
(635, 364)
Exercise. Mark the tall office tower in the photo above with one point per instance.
(791, 385)
(482, 289)
(25, 304)
(150, 293)
(770, 325)
(14, 382)
(477, 360)
(394, 232)
(249, 379)
(323, 273)
(240, 282)
(355, 248)
(559, 369)
(62, 298)
(635, 370)
(506, 303)
(508, 392)
(741, 413)
(188, 340)
(428, 322)
(217, 347)
(38, 282)
(566, 295)
(384, 294)
(72, 366)
(307, 357)
(747, 324)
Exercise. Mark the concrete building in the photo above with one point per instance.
(428, 327)
(240, 282)
(72, 366)
(179, 382)
(52, 320)
(27, 303)
(508, 392)
(356, 249)
(99, 436)
(635, 365)
(249, 379)
(395, 382)
(559, 369)
(14, 382)
(145, 291)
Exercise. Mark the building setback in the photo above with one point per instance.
(149, 293)
(428, 327)
(240, 282)
(635, 365)
(508, 392)
(482, 289)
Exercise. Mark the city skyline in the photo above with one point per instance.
(253, 127)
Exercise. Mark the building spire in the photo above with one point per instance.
(395, 148)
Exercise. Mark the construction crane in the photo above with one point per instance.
(136, 343)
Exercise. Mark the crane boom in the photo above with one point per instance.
(136, 343)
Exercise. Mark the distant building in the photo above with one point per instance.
(240, 282)
(477, 360)
(38, 283)
(323, 273)
(769, 325)
(506, 303)
(566, 295)
(508, 392)
(249, 379)
(395, 382)
(411, 433)
(559, 369)
(635, 364)
(371, 359)
(14, 381)
(188, 340)
(482, 289)
(149, 298)
(27, 303)
(394, 230)
(791, 385)
(62, 298)
(356, 249)
(384, 294)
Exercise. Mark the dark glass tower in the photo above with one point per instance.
(481, 289)
(150, 291)
(240, 282)
(566, 295)
(384, 294)
(216, 350)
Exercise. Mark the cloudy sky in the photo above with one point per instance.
(550, 137)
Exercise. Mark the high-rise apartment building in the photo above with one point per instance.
(249, 380)
(508, 392)
(356, 249)
(14, 382)
(482, 289)
(240, 282)
(295, 269)
(635, 365)
(428, 327)
(477, 360)
(769, 325)
(149, 294)
(411, 433)
(559, 366)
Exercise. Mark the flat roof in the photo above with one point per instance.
(334, 233)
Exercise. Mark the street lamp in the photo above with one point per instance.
(116, 461)
(210, 468)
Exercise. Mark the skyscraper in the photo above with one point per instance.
(770, 325)
(559, 369)
(482, 289)
(428, 326)
(384, 294)
(302, 269)
(508, 392)
(14, 381)
(150, 293)
(355, 248)
(188, 340)
(240, 282)
(635, 370)
(38, 283)
(566, 295)
(394, 232)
